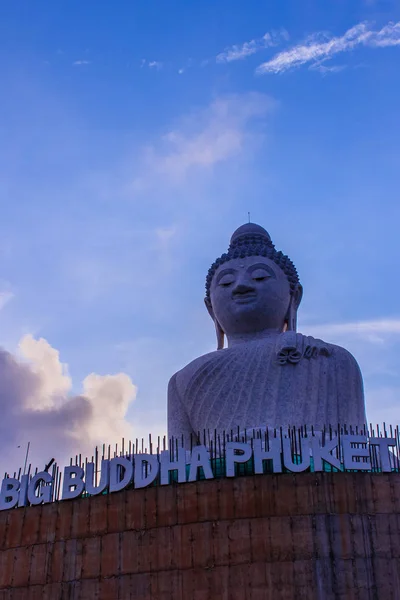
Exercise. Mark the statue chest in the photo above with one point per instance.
(255, 387)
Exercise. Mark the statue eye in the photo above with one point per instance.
(260, 275)
(226, 281)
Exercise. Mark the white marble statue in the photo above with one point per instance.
(269, 375)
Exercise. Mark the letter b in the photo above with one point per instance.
(73, 484)
(9, 493)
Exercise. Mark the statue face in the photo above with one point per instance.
(250, 294)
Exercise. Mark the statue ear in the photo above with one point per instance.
(298, 294)
(209, 308)
(291, 317)
(218, 329)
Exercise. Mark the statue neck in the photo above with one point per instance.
(234, 339)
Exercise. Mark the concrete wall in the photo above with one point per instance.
(259, 537)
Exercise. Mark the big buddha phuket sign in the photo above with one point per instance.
(342, 453)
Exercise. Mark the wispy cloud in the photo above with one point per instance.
(151, 64)
(325, 70)
(321, 47)
(155, 64)
(241, 51)
(79, 63)
(372, 331)
(205, 138)
(5, 298)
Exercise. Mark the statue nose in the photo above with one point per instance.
(243, 288)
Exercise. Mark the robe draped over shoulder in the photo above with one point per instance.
(288, 380)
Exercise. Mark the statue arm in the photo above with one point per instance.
(351, 389)
(179, 425)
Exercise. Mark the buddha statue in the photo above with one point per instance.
(269, 375)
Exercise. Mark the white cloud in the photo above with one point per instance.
(5, 298)
(205, 138)
(155, 64)
(81, 62)
(38, 407)
(152, 64)
(110, 397)
(320, 47)
(241, 51)
(165, 234)
(45, 363)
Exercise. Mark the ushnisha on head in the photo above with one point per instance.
(252, 289)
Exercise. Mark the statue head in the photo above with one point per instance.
(252, 288)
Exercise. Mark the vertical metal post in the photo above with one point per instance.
(26, 457)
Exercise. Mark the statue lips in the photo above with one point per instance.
(244, 297)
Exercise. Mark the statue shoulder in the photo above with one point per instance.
(180, 379)
(343, 356)
(293, 347)
(340, 354)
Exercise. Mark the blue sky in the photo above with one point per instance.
(136, 136)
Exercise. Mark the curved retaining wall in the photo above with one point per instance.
(311, 536)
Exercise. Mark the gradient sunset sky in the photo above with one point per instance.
(134, 138)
